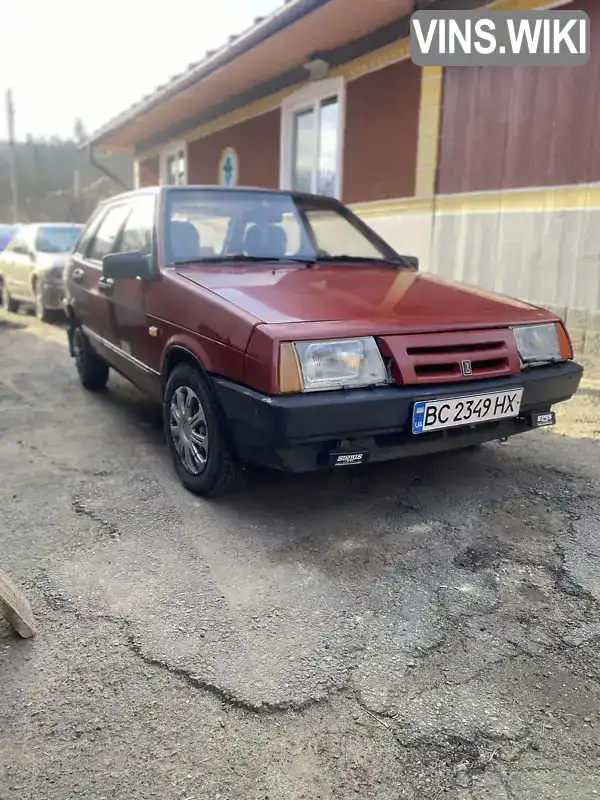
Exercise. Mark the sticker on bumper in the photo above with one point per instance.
(543, 420)
(348, 459)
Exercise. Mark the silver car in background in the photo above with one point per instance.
(32, 267)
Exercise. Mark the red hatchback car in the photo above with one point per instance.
(277, 328)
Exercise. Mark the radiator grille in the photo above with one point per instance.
(446, 357)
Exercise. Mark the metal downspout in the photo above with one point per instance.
(105, 170)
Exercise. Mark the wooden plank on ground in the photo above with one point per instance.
(15, 608)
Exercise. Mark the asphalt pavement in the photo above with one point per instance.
(426, 629)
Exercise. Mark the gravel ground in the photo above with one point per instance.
(411, 630)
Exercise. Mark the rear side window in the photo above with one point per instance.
(137, 233)
(20, 243)
(108, 233)
(88, 232)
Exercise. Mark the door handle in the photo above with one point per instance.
(106, 286)
(78, 275)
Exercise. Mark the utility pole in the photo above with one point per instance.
(10, 124)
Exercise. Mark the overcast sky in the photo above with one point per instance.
(68, 58)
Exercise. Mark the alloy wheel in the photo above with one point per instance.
(189, 429)
(40, 310)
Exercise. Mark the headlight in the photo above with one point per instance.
(336, 364)
(538, 343)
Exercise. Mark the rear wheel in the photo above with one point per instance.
(8, 304)
(93, 371)
(41, 311)
(196, 434)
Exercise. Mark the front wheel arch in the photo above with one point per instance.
(177, 355)
(223, 467)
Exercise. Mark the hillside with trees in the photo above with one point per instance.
(56, 180)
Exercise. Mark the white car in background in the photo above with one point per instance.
(32, 266)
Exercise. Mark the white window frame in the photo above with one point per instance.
(171, 150)
(310, 96)
(136, 174)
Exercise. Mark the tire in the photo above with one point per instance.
(8, 304)
(93, 371)
(41, 311)
(203, 459)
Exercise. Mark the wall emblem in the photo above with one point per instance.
(228, 167)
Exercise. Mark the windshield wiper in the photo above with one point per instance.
(307, 261)
(243, 258)
(363, 260)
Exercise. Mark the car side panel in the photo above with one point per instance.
(6, 270)
(196, 320)
(24, 267)
(19, 270)
(128, 332)
(25, 275)
(81, 279)
(88, 303)
(215, 357)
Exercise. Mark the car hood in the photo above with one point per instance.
(379, 297)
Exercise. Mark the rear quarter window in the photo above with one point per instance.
(108, 232)
(88, 232)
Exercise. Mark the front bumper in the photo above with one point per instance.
(299, 433)
(53, 295)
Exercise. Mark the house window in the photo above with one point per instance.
(173, 165)
(312, 139)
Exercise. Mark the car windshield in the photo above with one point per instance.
(57, 238)
(220, 225)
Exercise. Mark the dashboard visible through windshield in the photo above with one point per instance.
(225, 225)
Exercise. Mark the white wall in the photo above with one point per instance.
(548, 256)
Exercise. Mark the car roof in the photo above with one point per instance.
(215, 188)
(52, 225)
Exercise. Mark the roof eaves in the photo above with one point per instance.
(292, 11)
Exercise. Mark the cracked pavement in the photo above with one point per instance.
(424, 629)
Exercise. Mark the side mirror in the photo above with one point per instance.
(127, 265)
(413, 261)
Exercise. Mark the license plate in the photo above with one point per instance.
(434, 415)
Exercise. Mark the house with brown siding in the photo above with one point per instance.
(488, 175)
